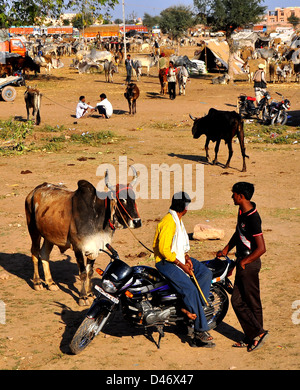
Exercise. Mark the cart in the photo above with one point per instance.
(7, 91)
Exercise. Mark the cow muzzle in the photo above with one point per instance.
(135, 223)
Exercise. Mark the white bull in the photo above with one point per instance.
(146, 61)
(182, 78)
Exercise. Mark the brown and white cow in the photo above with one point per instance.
(32, 98)
(79, 220)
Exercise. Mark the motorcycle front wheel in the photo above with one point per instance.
(218, 306)
(265, 116)
(87, 331)
(281, 118)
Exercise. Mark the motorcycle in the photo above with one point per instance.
(147, 300)
(277, 111)
(247, 108)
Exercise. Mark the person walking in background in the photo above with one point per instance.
(171, 77)
(129, 66)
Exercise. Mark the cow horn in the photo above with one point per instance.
(107, 182)
(192, 118)
(135, 176)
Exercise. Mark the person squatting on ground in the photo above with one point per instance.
(171, 77)
(82, 107)
(260, 83)
(249, 242)
(104, 107)
(171, 246)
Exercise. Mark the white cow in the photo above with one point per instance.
(48, 62)
(182, 78)
(147, 61)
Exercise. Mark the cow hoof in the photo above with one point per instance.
(53, 287)
(38, 286)
(83, 302)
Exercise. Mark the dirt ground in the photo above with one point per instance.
(39, 325)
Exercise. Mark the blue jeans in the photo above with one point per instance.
(187, 288)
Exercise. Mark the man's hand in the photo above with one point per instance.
(188, 262)
(222, 253)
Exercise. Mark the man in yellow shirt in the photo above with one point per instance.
(171, 246)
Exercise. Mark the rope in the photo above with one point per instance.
(132, 231)
(53, 101)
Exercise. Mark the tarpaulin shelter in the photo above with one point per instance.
(219, 50)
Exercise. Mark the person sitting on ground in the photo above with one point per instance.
(104, 107)
(82, 107)
(171, 246)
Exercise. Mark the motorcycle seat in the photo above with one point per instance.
(217, 266)
(252, 99)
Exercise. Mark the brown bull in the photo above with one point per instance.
(162, 75)
(79, 220)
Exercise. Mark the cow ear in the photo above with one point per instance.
(87, 191)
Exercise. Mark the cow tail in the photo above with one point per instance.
(38, 115)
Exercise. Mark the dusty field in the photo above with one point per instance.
(40, 325)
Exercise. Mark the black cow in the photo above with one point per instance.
(32, 98)
(218, 125)
(79, 220)
(131, 94)
(297, 72)
(23, 63)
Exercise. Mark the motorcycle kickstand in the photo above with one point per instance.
(160, 330)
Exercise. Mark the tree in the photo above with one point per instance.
(176, 20)
(79, 20)
(228, 15)
(92, 6)
(294, 20)
(150, 21)
(29, 12)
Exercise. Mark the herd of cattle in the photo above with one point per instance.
(82, 220)
(281, 64)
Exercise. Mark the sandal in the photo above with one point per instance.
(240, 344)
(259, 341)
(205, 337)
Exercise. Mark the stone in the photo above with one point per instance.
(207, 232)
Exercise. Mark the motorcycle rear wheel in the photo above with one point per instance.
(219, 302)
(88, 329)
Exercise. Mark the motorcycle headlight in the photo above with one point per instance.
(108, 286)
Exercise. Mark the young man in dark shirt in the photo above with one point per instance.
(249, 242)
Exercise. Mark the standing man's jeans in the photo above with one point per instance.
(187, 288)
(172, 90)
(245, 299)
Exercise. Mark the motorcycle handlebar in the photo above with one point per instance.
(112, 250)
(113, 255)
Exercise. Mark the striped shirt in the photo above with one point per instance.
(248, 227)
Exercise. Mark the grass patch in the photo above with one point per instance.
(17, 138)
(13, 135)
(216, 213)
(277, 134)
